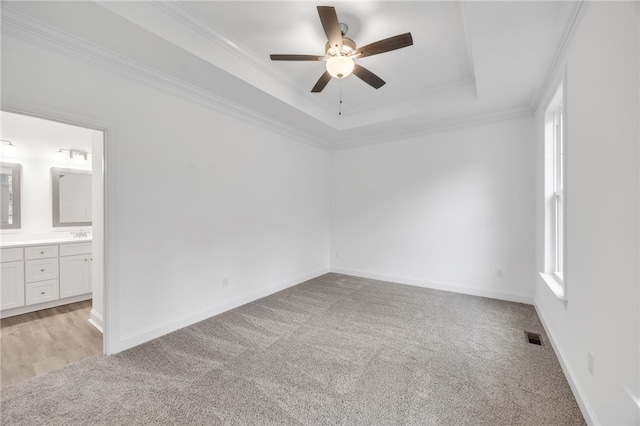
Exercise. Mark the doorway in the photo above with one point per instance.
(53, 261)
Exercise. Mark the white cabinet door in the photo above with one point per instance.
(12, 285)
(75, 275)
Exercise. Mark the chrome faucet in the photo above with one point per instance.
(80, 233)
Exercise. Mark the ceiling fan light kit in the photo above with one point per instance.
(341, 51)
(340, 66)
(339, 63)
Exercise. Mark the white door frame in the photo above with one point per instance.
(111, 330)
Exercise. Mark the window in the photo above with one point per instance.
(557, 199)
(554, 195)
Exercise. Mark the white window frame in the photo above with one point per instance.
(555, 194)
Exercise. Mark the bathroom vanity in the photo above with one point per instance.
(40, 274)
(44, 269)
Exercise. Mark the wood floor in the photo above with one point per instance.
(38, 342)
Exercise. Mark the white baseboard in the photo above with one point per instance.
(156, 331)
(96, 320)
(439, 285)
(587, 411)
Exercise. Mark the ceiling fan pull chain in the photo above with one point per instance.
(340, 104)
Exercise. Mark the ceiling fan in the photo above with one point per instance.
(341, 51)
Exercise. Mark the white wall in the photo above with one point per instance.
(602, 213)
(37, 142)
(445, 210)
(198, 195)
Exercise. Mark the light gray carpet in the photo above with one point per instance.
(333, 350)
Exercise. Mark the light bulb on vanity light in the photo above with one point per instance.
(75, 158)
(79, 157)
(71, 155)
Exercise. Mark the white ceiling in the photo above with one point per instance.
(469, 60)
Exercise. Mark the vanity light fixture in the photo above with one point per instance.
(9, 150)
(74, 154)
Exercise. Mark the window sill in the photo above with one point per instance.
(555, 284)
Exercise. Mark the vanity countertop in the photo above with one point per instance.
(39, 241)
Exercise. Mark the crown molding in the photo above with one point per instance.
(36, 32)
(467, 37)
(544, 86)
(26, 28)
(437, 127)
(467, 82)
(183, 15)
(186, 17)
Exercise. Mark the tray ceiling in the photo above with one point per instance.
(469, 59)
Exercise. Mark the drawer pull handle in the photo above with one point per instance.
(41, 270)
(41, 252)
(85, 260)
(42, 292)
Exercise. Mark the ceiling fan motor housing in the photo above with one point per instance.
(348, 46)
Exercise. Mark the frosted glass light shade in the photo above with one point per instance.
(340, 66)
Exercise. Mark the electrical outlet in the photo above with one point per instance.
(225, 281)
(337, 255)
(590, 362)
(499, 273)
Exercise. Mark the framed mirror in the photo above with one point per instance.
(71, 197)
(10, 194)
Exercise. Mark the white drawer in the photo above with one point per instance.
(42, 291)
(40, 252)
(41, 269)
(75, 248)
(11, 254)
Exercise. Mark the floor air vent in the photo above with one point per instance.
(533, 338)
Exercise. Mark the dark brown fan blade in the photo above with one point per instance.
(324, 79)
(386, 45)
(331, 26)
(296, 58)
(368, 77)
